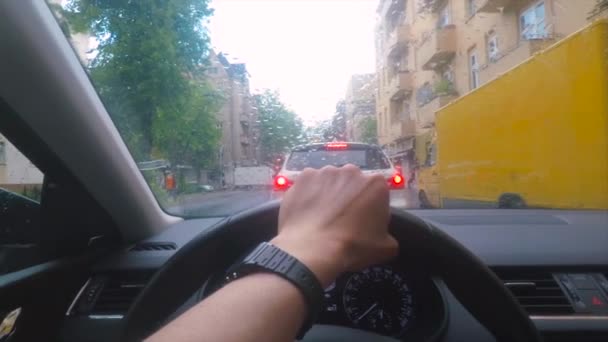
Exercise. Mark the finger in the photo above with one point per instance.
(351, 169)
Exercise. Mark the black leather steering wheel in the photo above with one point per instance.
(470, 281)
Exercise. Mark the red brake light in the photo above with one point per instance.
(397, 179)
(336, 146)
(397, 182)
(281, 183)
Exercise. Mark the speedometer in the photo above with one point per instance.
(380, 300)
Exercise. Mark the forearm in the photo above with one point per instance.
(258, 307)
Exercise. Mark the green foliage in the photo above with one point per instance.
(319, 132)
(162, 196)
(190, 188)
(333, 129)
(369, 130)
(280, 128)
(149, 70)
(32, 192)
(444, 87)
(188, 134)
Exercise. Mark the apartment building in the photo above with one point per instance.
(430, 52)
(237, 118)
(395, 71)
(359, 103)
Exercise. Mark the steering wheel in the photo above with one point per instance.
(468, 278)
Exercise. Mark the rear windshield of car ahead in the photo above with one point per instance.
(365, 159)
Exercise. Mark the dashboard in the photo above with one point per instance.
(392, 300)
(554, 262)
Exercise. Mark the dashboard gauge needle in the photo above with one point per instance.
(366, 312)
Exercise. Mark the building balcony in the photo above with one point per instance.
(494, 6)
(400, 86)
(403, 129)
(426, 113)
(430, 5)
(438, 48)
(511, 58)
(397, 41)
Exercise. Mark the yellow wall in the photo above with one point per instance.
(541, 130)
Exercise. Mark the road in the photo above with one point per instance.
(224, 203)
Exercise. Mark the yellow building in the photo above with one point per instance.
(430, 52)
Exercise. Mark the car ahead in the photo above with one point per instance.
(369, 158)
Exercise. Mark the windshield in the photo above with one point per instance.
(476, 103)
(365, 159)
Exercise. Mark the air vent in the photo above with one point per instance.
(116, 295)
(537, 292)
(153, 246)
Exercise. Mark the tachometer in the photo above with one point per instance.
(379, 299)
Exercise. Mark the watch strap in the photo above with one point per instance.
(269, 258)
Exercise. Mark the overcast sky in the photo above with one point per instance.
(307, 49)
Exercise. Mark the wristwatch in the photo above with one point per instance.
(269, 258)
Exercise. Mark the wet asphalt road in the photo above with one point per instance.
(225, 203)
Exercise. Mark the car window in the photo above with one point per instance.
(366, 159)
(20, 192)
(210, 95)
(17, 173)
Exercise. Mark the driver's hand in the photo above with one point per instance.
(336, 220)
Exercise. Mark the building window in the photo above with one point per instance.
(471, 8)
(492, 45)
(425, 94)
(473, 69)
(405, 112)
(532, 22)
(2, 153)
(444, 16)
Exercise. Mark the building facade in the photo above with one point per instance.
(16, 171)
(237, 118)
(359, 104)
(430, 52)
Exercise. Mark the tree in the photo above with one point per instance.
(280, 128)
(600, 7)
(369, 130)
(149, 70)
(336, 130)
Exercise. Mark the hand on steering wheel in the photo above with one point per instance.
(336, 220)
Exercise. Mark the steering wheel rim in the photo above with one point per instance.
(476, 287)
